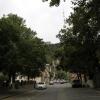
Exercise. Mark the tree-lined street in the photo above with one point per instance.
(70, 69)
(58, 92)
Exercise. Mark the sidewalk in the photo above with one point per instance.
(5, 93)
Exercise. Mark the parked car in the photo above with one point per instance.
(41, 85)
(76, 84)
(61, 81)
(51, 82)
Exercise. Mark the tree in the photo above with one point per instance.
(81, 39)
(10, 28)
(33, 57)
(20, 50)
(61, 74)
(54, 2)
(87, 29)
(51, 51)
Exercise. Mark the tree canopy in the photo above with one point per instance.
(81, 39)
(21, 51)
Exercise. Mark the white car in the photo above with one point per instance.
(41, 85)
(51, 82)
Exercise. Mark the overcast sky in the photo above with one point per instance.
(45, 20)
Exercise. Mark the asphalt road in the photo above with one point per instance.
(58, 92)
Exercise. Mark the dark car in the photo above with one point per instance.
(76, 84)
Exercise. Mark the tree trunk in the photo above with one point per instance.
(85, 78)
(80, 77)
(28, 79)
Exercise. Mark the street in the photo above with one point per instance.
(58, 92)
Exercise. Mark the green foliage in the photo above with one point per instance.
(61, 74)
(54, 2)
(3, 77)
(51, 52)
(20, 49)
(81, 40)
(9, 36)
